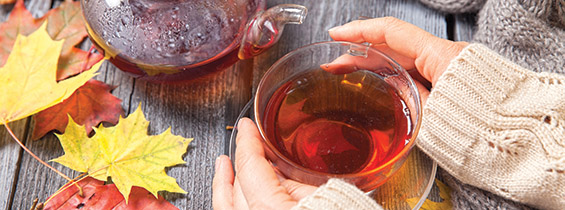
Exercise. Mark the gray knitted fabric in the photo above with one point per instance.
(465, 196)
(455, 6)
(530, 33)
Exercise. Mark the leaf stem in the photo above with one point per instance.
(73, 182)
(87, 58)
(34, 204)
(37, 158)
(33, 155)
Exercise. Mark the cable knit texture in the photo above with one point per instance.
(529, 33)
(495, 125)
(501, 127)
(455, 6)
(469, 197)
(339, 195)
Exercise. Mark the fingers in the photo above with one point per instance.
(424, 92)
(255, 175)
(347, 63)
(431, 54)
(239, 200)
(222, 184)
(298, 190)
(344, 64)
(417, 77)
(404, 61)
(400, 36)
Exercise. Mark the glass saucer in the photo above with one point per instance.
(409, 186)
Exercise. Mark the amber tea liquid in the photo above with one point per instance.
(338, 124)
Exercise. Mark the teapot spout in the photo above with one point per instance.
(265, 29)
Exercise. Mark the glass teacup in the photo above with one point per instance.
(337, 110)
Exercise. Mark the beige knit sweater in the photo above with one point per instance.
(492, 124)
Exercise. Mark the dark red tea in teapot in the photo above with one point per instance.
(170, 40)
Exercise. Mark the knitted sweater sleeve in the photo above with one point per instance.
(491, 124)
(500, 127)
(338, 195)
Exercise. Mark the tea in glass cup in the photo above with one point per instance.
(337, 109)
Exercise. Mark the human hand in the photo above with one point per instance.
(410, 46)
(256, 184)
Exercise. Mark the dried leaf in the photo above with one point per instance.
(444, 193)
(20, 21)
(125, 153)
(90, 105)
(97, 196)
(75, 62)
(66, 22)
(28, 78)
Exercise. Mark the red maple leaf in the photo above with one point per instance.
(90, 105)
(64, 22)
(20, 21)
(75, 62)
(98, 196)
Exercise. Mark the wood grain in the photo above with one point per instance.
(200, 109)
(464, 27)
(323, 15)
(11, 155)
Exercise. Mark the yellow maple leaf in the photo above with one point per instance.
(28, 79)
(444, 193)
(125, 153)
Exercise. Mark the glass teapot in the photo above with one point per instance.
(179, 40)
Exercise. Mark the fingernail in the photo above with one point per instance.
(218, 163)
(240, 122)
(334, 28)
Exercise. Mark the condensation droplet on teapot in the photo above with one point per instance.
(113, 3)
(165, 34)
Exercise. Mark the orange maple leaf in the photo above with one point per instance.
(96, 195)
(64, 23)
(75, 62)
(20, 21)
(90, 105)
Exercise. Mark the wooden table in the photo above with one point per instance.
(201, 109)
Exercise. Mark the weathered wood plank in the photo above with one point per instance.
(326, 14)
(10, 152)
(200, 109)
(41, 182)
(323, 15)
(36, 180)
(464, 27)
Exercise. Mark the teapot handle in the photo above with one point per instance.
(265, 28)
